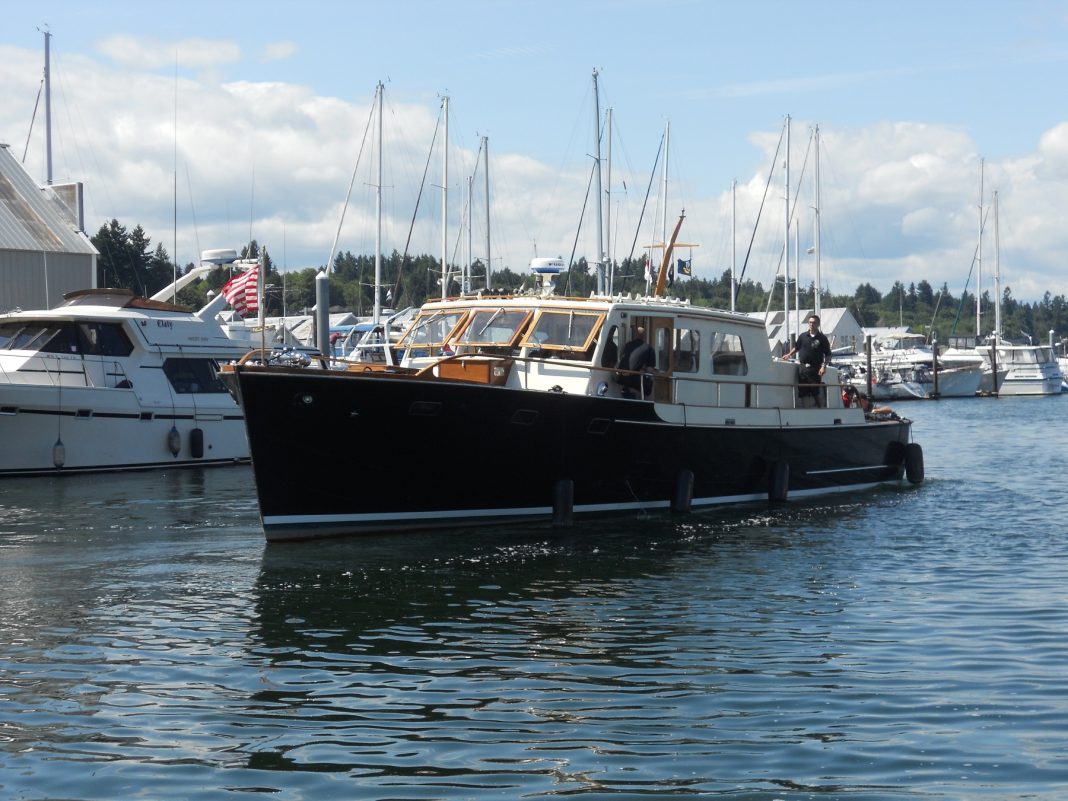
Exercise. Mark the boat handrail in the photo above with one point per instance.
(836, 386)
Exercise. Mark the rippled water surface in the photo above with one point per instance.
(912, 643)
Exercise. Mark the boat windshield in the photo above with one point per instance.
(430, 330)
(494, 327)
(564, 330)
(47, 336)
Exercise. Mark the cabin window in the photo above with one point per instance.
(63, 339)
(687, 348)
(31, 336)
(610, 354)
(7, 333)
(193, 376)
(662, 346)
(26, 334)
(494, 327)
(430, 331)
(104, 339)
(728, 357)
(566, 333)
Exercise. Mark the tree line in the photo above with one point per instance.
(128, 260)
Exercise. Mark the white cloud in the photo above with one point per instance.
(277, 51)
(151, 54)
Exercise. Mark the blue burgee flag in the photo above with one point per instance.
(685, 267)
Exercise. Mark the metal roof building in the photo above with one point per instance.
(44, 251)
(841, 327)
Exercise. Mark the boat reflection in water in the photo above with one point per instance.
(516, 407)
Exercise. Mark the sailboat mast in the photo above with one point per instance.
(445, 201)
(816, 222)
(608, 201)
(797, 272)
(48, 105)
(979, 262)
(261, 289)
(786, 240)
(597, 187)
(485, 155)
(470, 229)
(663, 187)
(377, 314)
(734, 242)
(997, 274)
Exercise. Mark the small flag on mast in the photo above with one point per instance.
(241, 292)
(685, 267)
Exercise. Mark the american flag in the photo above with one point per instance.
(240, 292)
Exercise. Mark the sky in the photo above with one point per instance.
(212, 123)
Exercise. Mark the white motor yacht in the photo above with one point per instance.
(1021, 369)
(903, 368)
(108, 380)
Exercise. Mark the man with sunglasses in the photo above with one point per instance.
(813, 351)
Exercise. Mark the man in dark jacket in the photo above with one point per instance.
(637, 356)
(813, 351)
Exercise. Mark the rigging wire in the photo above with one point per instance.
(790, 221)
(348, 194)
(33, 117)
(415, 212)
(645, 202)
(971, 269)
(574, 247)
(767, 186)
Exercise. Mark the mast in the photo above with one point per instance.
(261, 287)
(485, 155)
(816, 223)
(663, 187)
(786, 240)
(997, 275)
(797, 273)
(48, 105)
(377, 315)
(445, 201)
(470, 228)
(734, 242)
(661, 277)
(597, 188)
(979, 261)
(608, 202)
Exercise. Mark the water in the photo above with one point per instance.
(908, 645)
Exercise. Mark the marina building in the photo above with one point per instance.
(44, 251)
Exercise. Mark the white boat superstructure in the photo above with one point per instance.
(1020, 369)
(903, 367)
(1029, 369)
(110, 381)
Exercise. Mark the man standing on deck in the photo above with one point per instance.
(813, 351)
(637, 357)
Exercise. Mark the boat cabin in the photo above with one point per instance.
(701, 357)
